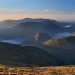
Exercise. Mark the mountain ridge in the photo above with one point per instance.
(26, 55)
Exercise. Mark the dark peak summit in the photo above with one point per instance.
(37, 39)
(42, 36)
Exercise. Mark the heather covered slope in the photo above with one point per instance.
(35, 70)
(11, 54)
(63, 42)
(73, 34)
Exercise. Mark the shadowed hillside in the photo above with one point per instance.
(63, 48)
(11, 54)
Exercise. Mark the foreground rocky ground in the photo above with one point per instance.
(57, 70)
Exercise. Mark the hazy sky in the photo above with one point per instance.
(53, 9)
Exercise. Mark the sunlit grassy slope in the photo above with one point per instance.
(49, 70)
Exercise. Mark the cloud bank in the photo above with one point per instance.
(19, 13)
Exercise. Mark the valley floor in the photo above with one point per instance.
(57, 70)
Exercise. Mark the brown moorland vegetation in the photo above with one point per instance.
(50, 70)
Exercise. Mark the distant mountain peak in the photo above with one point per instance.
(41, 36)
(37, 39)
